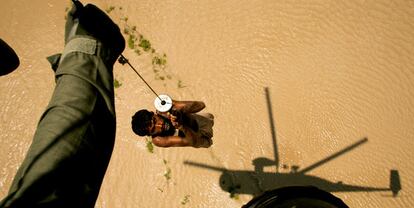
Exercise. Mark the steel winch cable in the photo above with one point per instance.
(122, 60)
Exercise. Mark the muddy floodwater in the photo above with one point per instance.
(303, 92)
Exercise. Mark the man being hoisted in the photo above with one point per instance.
(179, 127)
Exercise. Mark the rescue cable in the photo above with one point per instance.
(162, 103)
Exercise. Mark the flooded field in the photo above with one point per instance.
(303, 92)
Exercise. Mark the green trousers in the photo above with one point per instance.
(73, 143)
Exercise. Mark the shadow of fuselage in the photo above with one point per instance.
(254, 183)
(257, 181)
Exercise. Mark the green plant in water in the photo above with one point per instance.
(180, 84)
(185, 200)
(141, 45)
(138, 52)
(117, 83)
(144, 44)
(167, 173)
(232, 191)
(110, 9)
(150, 146)
(131, 41)
(235, 196)
(125, 19)
(159, 60)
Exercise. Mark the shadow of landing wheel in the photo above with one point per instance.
(227, 182)
(296, 196)
(8, 59)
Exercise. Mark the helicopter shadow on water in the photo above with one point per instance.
(258, 181)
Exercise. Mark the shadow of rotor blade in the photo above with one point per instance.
(395, 183)
(347, 149)
(204, 166)
(354, 188)
(272, 128)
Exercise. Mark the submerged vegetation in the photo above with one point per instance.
(167, 173)
(142, 46)
(110, 9)
(232, 190)
(180, 84)
(117, 83)
(150, 146)
(185, 200)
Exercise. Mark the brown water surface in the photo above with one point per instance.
(336, 72)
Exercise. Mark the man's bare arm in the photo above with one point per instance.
(188, 106)
(171, 141)
(176, 141)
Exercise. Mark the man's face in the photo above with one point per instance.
(160, 126)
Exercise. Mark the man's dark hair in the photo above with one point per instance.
(140, 122)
